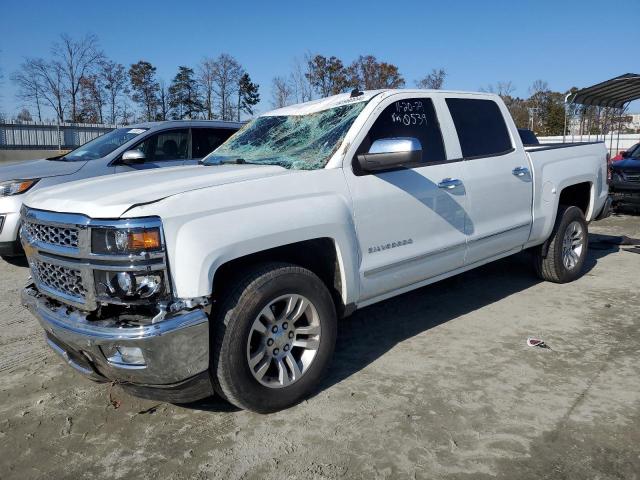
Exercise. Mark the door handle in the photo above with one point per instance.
(449, 183)
(520, 171)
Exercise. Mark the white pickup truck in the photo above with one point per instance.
(230, 276)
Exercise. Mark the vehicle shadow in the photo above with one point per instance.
(19, 261)
(371, 332)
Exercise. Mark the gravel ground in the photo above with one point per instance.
(435, 384)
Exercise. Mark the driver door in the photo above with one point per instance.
(168, 148)
(410, 221)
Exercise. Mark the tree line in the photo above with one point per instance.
(81, 84)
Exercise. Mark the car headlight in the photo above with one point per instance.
(123, 241)
(16, 187)
(127, 286)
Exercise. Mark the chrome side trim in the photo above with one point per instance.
(418, 258)
(495, 234)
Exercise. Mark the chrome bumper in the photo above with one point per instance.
(174, 349)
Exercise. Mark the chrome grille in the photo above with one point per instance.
(59, 279)
(53, 235)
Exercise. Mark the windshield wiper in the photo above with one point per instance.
(240, 161)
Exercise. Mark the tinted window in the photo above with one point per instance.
(206, 140)
(414, 117)
(168, 145)
(480, 126)
(528, 137)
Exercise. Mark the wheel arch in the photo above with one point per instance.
(321, 255)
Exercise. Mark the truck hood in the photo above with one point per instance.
(627, 164)
(112, 195)
(38, 169)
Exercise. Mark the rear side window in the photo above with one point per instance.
(480, 126)
(206, 140)
(413, 117)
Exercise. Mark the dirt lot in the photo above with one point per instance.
(437, 383)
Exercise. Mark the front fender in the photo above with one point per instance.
(207, 228)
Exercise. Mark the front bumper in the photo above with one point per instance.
(175, 350)
(624, 192)
(9, 226)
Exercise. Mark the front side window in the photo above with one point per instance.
(206, 140)
(103, 145)
(168, 145)
(413, 117)
(481, 128)
(299, 142)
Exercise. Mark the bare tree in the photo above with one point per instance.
(504, 89)
(434, 81)
(29, 86)
(50, 77)
(76, 59)
(281, 92)
(300, 86)
(163, 100)
(114, 78)
(206, 79)
(225, 72)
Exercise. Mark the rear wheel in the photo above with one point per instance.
(273, 337)
(567, 247)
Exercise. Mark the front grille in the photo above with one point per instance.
(59, 279)
(631, 177)
(52, 235)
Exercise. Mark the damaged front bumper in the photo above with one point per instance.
(167, 360)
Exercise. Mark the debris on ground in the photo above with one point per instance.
(537, 342)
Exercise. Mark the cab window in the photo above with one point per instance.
(206, 140)
(412, 117)
(167, 145)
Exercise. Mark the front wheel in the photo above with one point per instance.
(567, 247)
(273, 337)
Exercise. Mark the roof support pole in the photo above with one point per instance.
(566, 113)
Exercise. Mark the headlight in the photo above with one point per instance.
(128, 286)
(16, 187)
(112, 241)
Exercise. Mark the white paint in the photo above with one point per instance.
(214, 214)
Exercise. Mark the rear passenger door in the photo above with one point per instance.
(206, 140)
(497, 178)
(168, 148)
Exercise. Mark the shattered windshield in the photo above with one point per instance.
(299, 142)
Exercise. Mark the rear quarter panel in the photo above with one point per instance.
(557, 168)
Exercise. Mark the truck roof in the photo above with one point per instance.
(347, 98)
(188, 123)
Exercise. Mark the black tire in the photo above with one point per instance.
(231, 326)
(550, 266)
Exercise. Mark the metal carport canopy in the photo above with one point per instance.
(616, 92)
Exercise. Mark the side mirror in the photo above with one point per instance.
(133, 157)
(624, 154)
(389, 153)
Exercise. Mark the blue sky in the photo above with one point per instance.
(567, 43)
